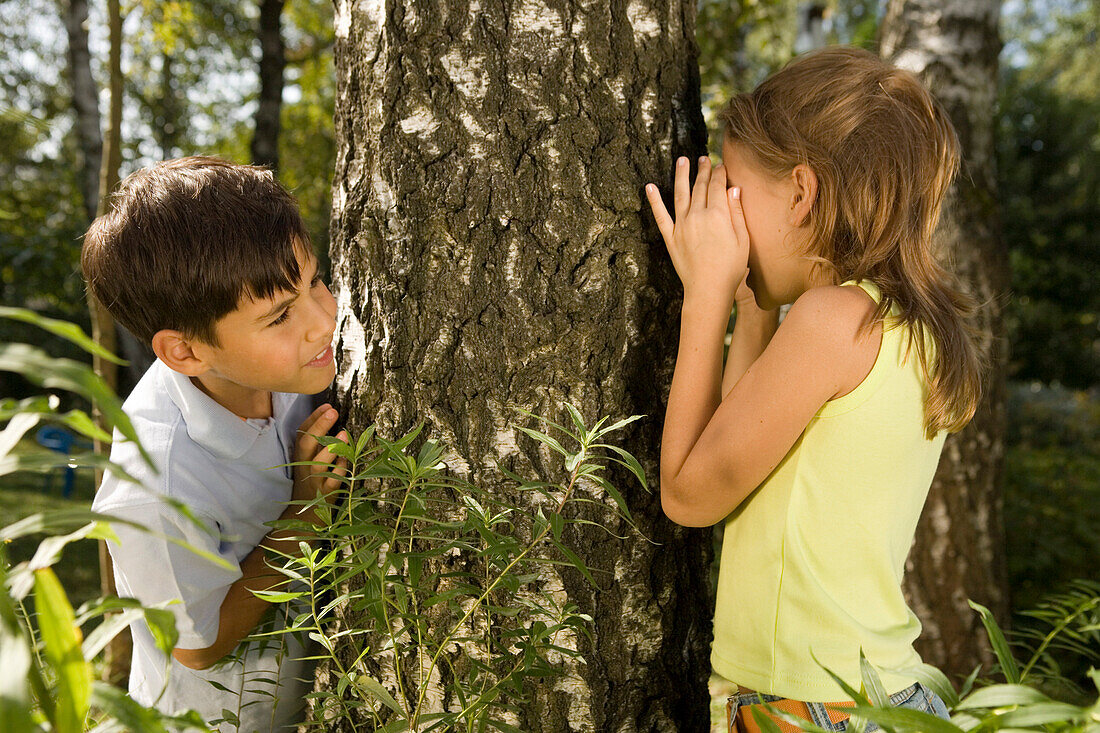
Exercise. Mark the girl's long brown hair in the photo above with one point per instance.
(885, 153)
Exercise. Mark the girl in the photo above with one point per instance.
(818, 441)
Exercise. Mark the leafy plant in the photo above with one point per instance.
(1014, 705)
(448, 576)
(47, 682)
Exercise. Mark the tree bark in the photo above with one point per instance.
(959, 550)
(491, 248)
(265, 140)
(85, 103)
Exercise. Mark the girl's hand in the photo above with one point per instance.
(709, 241)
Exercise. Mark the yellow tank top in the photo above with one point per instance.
(812, 561)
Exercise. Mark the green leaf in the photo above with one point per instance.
(82, 423)
(68, 331)
(557, 523)
(858, 697)
(108, 629)
(15, 699)
(276, 597)
(45, 371)
(162, 625)
(616, 497)
(41, 462)
(872, 682)
(997, 640)
(933, 679)
(546, 421)
(620, 424)
(996, 696)
(578, 421)
(544, 439)
(375, 689)
(129, 712)
(62, 650)
(1042, 714)
(576, 562)
(905, 719)
(22, 578)
(631, 463)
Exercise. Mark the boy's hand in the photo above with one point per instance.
(307, 484)
(708, 241)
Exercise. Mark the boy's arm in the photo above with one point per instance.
(241, 610)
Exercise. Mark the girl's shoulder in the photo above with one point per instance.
(837, 321)
(841, 310)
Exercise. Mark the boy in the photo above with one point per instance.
(210, 264)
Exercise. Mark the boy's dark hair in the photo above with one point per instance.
(186, 239)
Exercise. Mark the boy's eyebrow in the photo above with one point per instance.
(277, 307)
(284, 303)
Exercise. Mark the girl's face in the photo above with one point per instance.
(779, 272)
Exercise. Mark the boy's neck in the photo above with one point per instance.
(244, 402)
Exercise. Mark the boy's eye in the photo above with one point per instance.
(316, 280)
(282, 318)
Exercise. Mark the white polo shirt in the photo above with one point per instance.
(222, 468)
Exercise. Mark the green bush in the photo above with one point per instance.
(431, 564)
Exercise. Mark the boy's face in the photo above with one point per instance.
(277, 344)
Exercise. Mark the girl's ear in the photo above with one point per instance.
(176, 351)
(804, 183)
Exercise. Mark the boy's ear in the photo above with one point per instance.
(175, 350)
(804, 182)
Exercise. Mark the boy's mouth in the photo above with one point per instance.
(322, 359)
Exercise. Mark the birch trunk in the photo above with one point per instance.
(491, 248)
(959, 550)
(85, 103)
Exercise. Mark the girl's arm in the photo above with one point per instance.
(753, 328)
(715, 452)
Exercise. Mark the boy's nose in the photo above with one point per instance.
(324, 325)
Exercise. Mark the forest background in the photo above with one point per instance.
(192, 84)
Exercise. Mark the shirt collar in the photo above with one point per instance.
(208, 423)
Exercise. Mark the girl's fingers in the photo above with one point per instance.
(702, 180)
(737, 215)
(681, 198)
(716, 192)
(660, 213)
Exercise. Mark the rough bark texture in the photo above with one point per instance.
(959, 550)
(265, 140)
(491, 248)
(85, 103)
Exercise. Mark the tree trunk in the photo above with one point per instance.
(117, 654)
(265, 140)
(85, 104)
(491, 248)
(959, 550)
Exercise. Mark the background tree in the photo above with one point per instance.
(265, 139)
(491, 249)
(959, 550)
